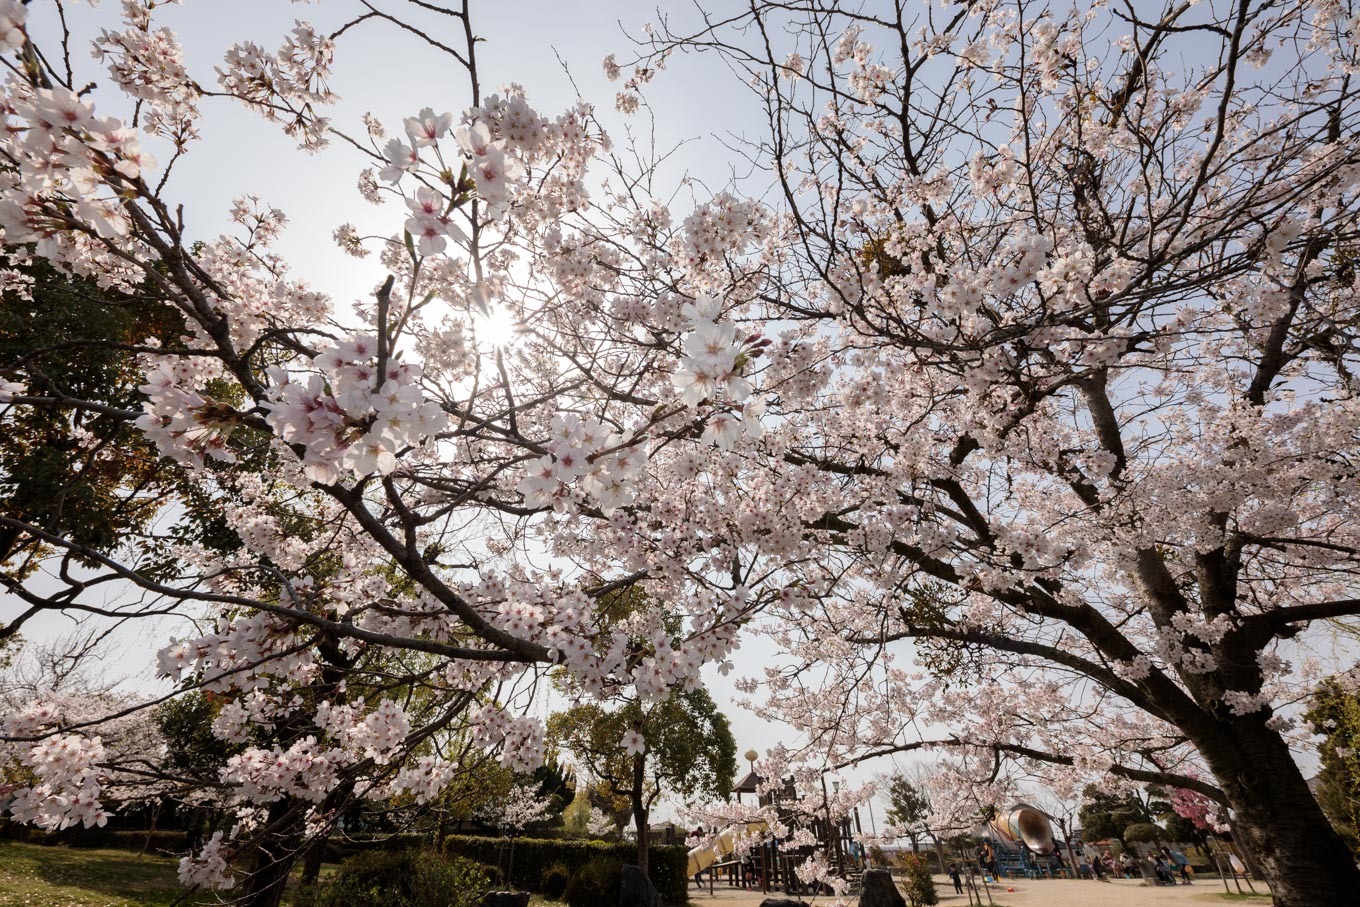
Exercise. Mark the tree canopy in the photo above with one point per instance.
(1007, 388)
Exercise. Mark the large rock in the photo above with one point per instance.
(877, 890)
(506, 899)
(782, 902)
(637, 890)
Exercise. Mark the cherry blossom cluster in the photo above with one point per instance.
(376, 734)
(305, 770)
(148, 64)
(521, 807)
(716, 359)
(349, 416)
(68, 166)
(423, 778)
(586, 454)
(241, 653)
(519, 739)
(491, 164)
(68, 786)
(183, 424)
(209, 868)
(285, 86)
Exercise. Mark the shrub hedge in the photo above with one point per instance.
(919, 883)
(534, 856)
(555, 879)
(400, 878)
(596, 883)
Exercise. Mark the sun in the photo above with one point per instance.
(497, 328)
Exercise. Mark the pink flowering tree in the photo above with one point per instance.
(381, 481)
(1023, 419)
(1061, 409)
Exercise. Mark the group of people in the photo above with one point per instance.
(1103, 864)
(1166, 865)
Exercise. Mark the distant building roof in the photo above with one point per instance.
(748, 784)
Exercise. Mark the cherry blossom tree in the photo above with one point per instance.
(1063, 390)
(382, 479)
(1022, 415)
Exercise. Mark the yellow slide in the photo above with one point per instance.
(700, 858)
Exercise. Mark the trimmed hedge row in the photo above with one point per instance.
(534, 856)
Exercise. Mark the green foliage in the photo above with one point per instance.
(1179, 828)
(1145, 833)
(186, 724)
(598, 882)
(920, 887)
(1106, 815)
(556, 784)
(73, 472)
(690, 748)
(533, 857)
(908, 808)
(555, 879)
(1335, 715)
(402, 878)
(576, 815)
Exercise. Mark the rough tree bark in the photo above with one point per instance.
(1277, 818)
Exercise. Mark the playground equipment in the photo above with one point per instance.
(722, 846)
(1028, 825)
(769, 864)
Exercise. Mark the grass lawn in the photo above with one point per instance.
(33, 876)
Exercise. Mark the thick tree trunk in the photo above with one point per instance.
(150, 828)
(274, 859)
(1276, 819)
(311, 863)
(640, 824)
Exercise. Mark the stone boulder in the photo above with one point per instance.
(782, 902)
(637, 890)
(877, 890)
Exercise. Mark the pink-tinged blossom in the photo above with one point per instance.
(68, 786)
(401, 159)
(519, 740)
(348, 417)
(430, 224)
(427, 127)
(633, 743)
(209, 868)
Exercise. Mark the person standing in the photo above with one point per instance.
(956, 877)
(1093, 860)
(1180, 862)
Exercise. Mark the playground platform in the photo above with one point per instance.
(1047, 893)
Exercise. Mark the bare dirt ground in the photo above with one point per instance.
(1048, 893)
